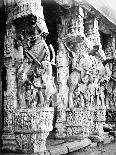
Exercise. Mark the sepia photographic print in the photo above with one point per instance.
(57, 77)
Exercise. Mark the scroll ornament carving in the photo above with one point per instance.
(78, 122)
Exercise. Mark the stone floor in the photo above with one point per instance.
(108, 149)
(58, 147)
(77, 147)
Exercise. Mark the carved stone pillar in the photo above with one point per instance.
(10, 103)
(10, 96)
(62, 96)
(32, 127)
(28, 117)
(111, 86)
(99, 113)
(71, 33)
(71, 26)
(99, 110)
(78, 119)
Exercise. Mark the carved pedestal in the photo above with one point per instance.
(98, 122)
(71, 26)
(27, 120)
(60, 123)
(78, 123)
(31, 128)
(111, 118)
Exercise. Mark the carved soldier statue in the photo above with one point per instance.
(88, 66)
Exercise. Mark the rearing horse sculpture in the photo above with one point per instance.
(88, 65)
(44, 78)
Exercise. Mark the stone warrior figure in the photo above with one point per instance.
(36, 68)
(44, 83)
(81, 67)
(87, 67)
(41, 79)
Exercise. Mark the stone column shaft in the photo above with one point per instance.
(62, 96)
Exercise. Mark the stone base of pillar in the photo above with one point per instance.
(97, 131)
(31, 141)
(77, 123)
(61, 131)
(9, 141)
(31, 128)
(60, 124)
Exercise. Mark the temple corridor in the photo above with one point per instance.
(57, 77)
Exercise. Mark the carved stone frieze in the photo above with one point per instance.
(31, 128)
(82, 77)
(78, 122)
(87, 77)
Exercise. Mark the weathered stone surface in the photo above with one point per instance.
(82, 78)
(69, 147)
(30, 84)
(96, 138)
(113, 133)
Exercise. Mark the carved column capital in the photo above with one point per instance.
(70, 22)
(92, 30)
